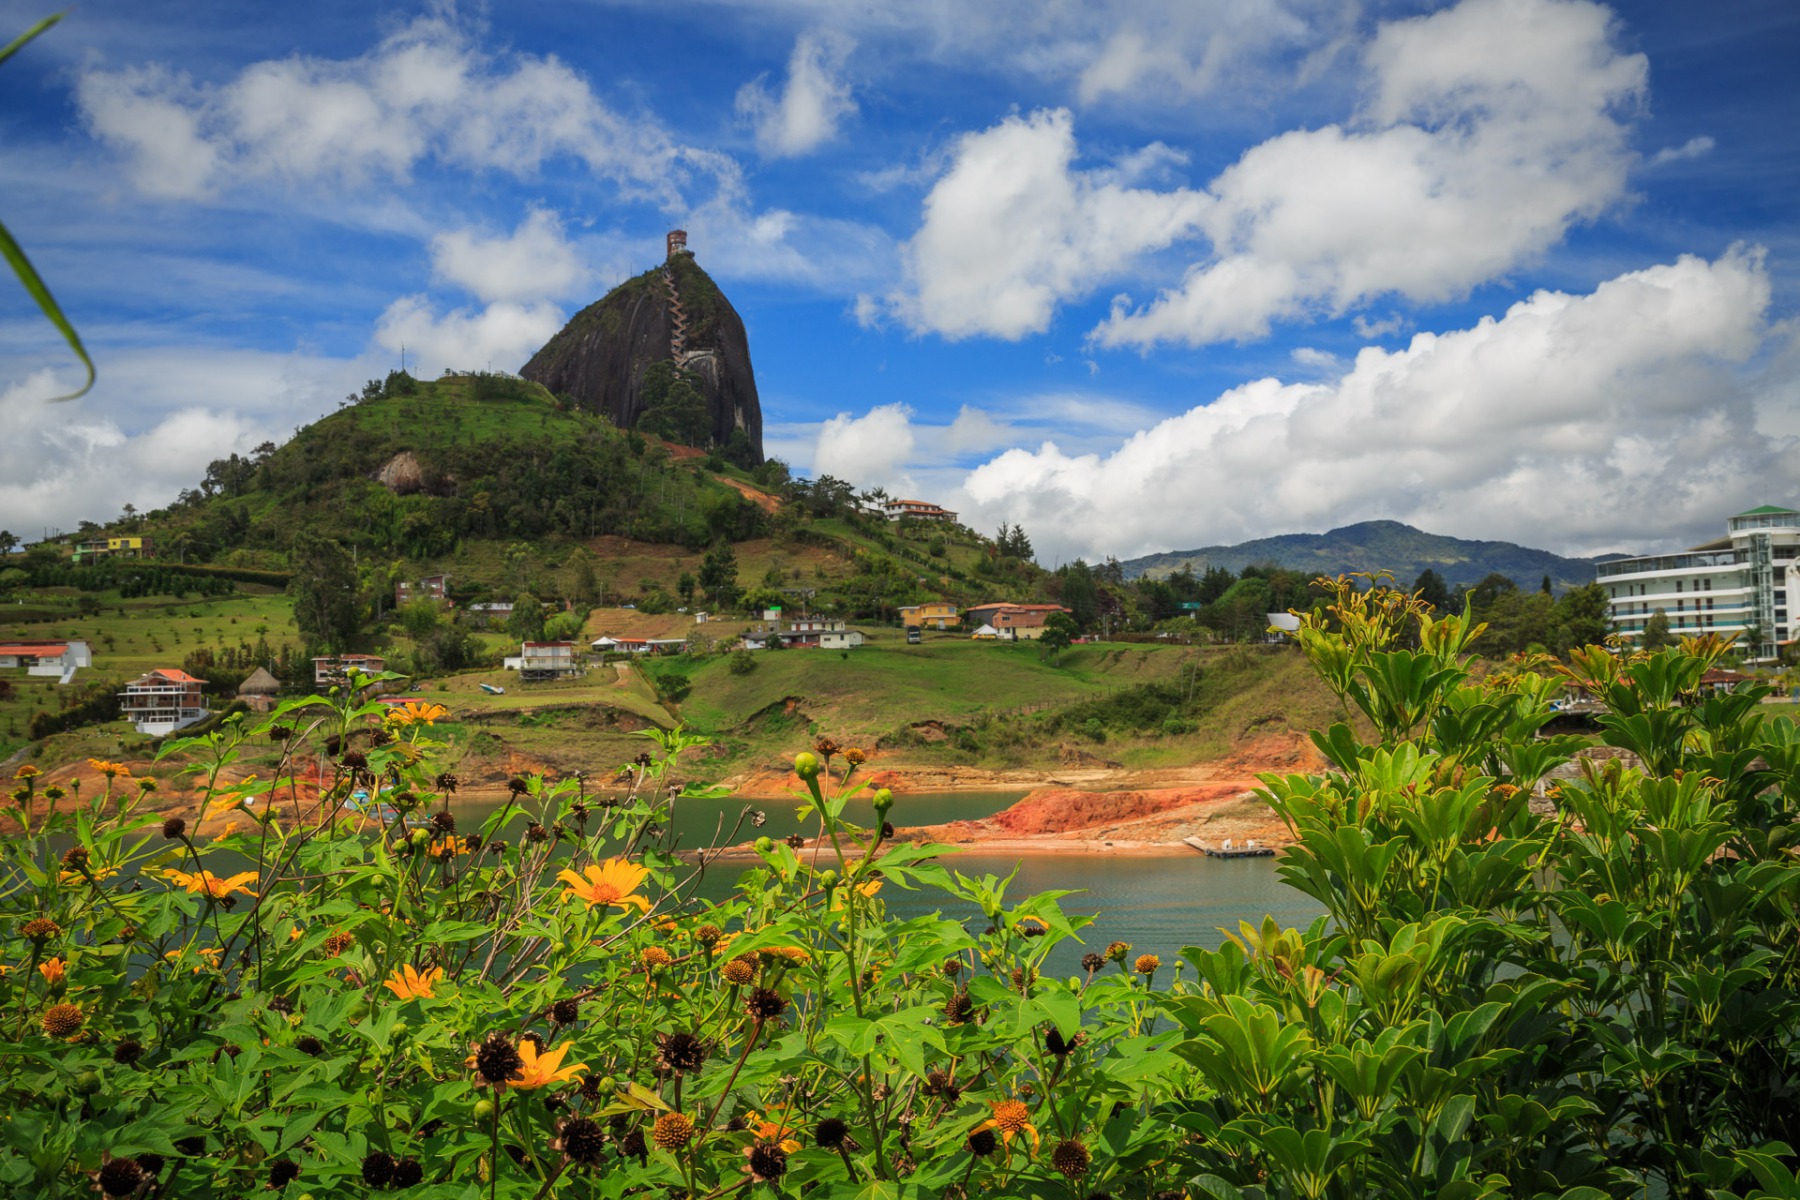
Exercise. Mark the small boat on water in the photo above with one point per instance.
(1226, 850)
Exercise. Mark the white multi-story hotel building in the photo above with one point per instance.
(1737, 584)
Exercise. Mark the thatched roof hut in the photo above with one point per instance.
(259, 690)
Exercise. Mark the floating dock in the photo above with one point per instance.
(1233, 852)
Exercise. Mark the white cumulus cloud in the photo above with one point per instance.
(497, 337)
(1641, 412)
(1484, 131)
(426, 92)
(533, 262)
(812, 104)
(1488, 129)
(1013, 228)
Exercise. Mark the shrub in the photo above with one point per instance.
(742, 662)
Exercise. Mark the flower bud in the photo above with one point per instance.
(806, 765)
(764, 845)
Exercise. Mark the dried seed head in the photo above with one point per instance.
(75, 858)
(443, 822)
(673, 1131)
(128, 1052)
(959, 1009)
(446, 783)
(1071, 1158)
(1091, 962)
(795, 841)
(939, 1083)
(280, 733)
(356, 760)
(62, 1020)
(566, 1011)
(953, 967)
(120, 1177)
(1057, 1044)
(681, 1053)
(408, 1172)
(765, 1004)
(308, 1044)
(768, 1161)
(174, 827)
(151, 1162)
(824, 747)
(983, 1143)
(830, 1133)
(191, 1147)
(631, 1144)
(378, 1169)
(517, 786)
(536, 833)
(40, 929)
(282, 1172)
(581, 1140)
(498, 1059)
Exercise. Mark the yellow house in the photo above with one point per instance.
(121, 547)
(937, 613)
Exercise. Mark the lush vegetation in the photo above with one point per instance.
(1588, 997)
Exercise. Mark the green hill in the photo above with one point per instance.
(1378, 546)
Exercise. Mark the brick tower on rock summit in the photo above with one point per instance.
(678, 242)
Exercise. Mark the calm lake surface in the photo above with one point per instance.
(1159, 905)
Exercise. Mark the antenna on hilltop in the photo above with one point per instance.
(403, 358)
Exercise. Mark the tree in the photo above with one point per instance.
(527, 620)
(326, 609)
(584, 588)
(1431, 588)
(675, 408)
(1581, 618)
(1059, 635)
(684, 587)
(8, 542)
(718, 576)
(1656, 632)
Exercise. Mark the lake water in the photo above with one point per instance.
(1158, 904)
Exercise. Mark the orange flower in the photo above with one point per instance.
(409, 984)
(866, 890)
(446, 846)
(417, 712)
(26, 772)
(1147, 964)
(774, 1126)
(613, 882)
(53, 970)
(111, 770)
(541, 1070)
(209, 884)
(1010, 1117)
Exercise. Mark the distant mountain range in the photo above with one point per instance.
(1381, 546)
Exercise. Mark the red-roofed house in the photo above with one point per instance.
(163, 701)
(47, 658)
(918, 510)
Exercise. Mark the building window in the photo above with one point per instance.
(1678, 585)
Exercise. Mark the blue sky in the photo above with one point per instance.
(1138, 275)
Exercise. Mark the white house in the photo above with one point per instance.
(59, 659)
(840, 639)
(1739, 583)
(540, 661)
(163, 701)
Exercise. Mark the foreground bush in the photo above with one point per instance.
(1582, 998)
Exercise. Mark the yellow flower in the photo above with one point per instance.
(94, 873)
(655, 956)
(26, 772)
(1147, 964)
(445, 846)
(417, 712)
(208, 883)
(541, 1070)
(111, 770)
(1010, 1117)
(409, 984)
(866, 890)
(53, 970)
(614, 881)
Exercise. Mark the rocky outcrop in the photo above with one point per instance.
(674, 313)
(402, 474)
